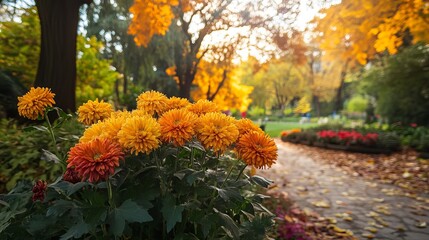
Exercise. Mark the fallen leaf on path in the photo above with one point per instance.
(421, 224)
(368, 235)
(321, 204)
(371, 229)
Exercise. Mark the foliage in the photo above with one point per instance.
(95, 76)
(20, 46)
(222, 86)
(400, 86)
(19, 54)
(357, 104)
(195, 23)
(365, 28)
(303, 106)
(180, 192)
(23, 151)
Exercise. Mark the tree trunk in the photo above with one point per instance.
(339, 97)
(57, 62)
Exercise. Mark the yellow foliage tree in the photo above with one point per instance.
(150, 17)
(222, 86)
(303, 106)
(359, 29)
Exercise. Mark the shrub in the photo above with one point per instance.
(140, 176)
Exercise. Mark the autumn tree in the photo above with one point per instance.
(353, 32)
(196, 21)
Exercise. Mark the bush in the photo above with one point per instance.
(22, 151)
(134, 184)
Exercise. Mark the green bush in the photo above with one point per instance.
(22, 151)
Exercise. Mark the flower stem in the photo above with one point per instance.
(110, 193)
(227, 176)
(241, 172)
(54, 140)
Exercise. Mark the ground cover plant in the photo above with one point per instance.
(167, 170)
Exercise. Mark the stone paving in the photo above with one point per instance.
(370, 210)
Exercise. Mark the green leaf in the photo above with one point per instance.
(76, 231)
(194, 176)
(59, 207)
(229, 226)
(39, 128)
(263, 182)
(50, 157)
(129, 211)
(171, 212)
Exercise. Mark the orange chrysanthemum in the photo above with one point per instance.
(152, 102)
(216, 131)
(177, 103)
(34, 102)
(93, 111)
(95, 160)
(140, 134)
(93, 132)
(257, 149)
(177, 126)
(202, 107)
(246, 125)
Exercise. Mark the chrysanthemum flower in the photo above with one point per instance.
(202, 107)
(95, 160)
(93, 111)
(139, 113)
(71, 175)
(216, 131)
(177, 126)
(176, 103)
(39, 190)
(123, 113)
(34, 102)
(246, 125)
(257, 149)
(140, 134)
(152, 102)
(93, 132)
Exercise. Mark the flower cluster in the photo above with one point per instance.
(287, 132)
(161, 120)
(39, 190)
(348, 137)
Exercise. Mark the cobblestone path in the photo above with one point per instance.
(370, 210)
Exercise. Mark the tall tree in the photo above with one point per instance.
(57, 62)
(198, 20)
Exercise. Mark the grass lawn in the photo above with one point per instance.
(275, 128)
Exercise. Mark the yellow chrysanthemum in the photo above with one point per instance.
(34, 102)
(112, 126)
(123, 113)
(202, 107)
(140, 134)
(93, 132)
(94, 111)
(257, 149)
(246, 125)
(176, 103)
(216, 131)
(177, 126)
(139, 113)
(152, 102)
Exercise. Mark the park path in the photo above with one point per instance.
(369, 209)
